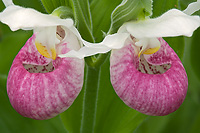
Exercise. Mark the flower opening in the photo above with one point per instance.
(40, 84)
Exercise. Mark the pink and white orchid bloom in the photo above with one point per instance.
(50, 30)
(40, 84)
(170, 24)
(146, 73)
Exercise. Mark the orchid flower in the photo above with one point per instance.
(147, 31)
(146, 73)
(50, 30)
(41, 85)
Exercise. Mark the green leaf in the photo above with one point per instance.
(162, 6)
(129, 10)
(83, 19)
(101, 16)
(9, 46)
(184, 3)
(50, 5)
(195, 53)
(36, 4)
(191, 63)
(178, 45)
(195, 124)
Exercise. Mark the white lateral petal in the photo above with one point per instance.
(85, 52)
(76, 33)
(73, 42)
(17, 17)
(8, 2)
(171, 23)
(115, 41)
(192, 8)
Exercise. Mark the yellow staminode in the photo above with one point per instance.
(53, 52)
(149, 51)
(43, 51)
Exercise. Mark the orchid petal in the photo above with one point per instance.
(115, 41)
(17, 17)
(8, 2)
(171, 23)
(85, 52)
(192, 8)
(73, 42)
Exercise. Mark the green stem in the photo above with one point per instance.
(90, 100)
(96, 62)
(100, 59)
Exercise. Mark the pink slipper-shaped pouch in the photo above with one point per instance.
(153, 84)
(41, 88)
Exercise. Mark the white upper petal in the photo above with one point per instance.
(17, 17)
(171, 23)
(192, 8)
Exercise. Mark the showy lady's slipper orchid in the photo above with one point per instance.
(146, 73)
(40, 84)
(146, 33)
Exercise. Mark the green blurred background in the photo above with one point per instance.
(184, 120)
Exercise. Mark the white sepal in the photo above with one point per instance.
(17, 17)
(192, 8)
(8, 2)
(171, 23)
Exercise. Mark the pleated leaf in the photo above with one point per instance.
(129, 10)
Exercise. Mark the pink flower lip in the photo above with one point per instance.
(40, 88)
(154, 85)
